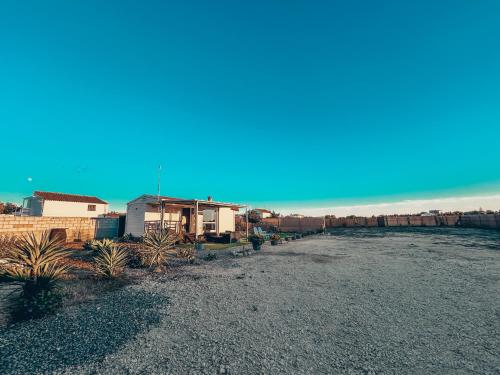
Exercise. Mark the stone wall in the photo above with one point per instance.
(77, 228)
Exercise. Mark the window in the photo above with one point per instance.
(91, 207)
(208, 220)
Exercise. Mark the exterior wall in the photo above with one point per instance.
(226, 220)
(72, 209)
(134, 223)
(491, 221)
(77, 228)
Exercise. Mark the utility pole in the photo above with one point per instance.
(159, 180)
(162, 209)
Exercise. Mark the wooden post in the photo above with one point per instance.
(217, 220)
(162, 213)
(196, 221)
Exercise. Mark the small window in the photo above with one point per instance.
(91, 207)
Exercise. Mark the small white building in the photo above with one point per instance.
(44, 203)
(263, 213)
(189, 216)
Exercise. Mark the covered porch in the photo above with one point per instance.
(193, 218)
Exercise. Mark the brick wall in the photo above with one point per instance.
(77, 228)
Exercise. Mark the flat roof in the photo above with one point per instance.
(202, 202)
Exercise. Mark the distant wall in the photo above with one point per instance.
(295, 224)
(467, 221)
(77, 228)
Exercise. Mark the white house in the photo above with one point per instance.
(263, 213)
(190, 216)
(44, 203)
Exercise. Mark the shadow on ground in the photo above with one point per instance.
(75, 336)
(316, 258)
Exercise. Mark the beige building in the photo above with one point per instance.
(190, 216)
(44, 203)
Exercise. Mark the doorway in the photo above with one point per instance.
(186, 219)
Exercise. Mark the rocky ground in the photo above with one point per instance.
(363, 302)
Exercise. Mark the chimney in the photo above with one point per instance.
(209, 198)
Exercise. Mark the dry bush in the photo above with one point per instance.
(7, 243)
(188, 253)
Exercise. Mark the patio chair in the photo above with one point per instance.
(264, 234)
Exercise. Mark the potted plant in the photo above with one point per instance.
(257, 240)
(275, 239)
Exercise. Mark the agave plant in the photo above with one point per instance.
(103, 245)
(34, 260)
(37, 264)
(158, 246)
(111, 261)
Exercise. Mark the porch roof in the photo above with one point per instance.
(201, 202)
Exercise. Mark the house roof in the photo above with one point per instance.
(263, 210)
(62, 197)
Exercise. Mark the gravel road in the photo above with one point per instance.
(356, 302)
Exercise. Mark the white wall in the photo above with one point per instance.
(134, 223)
(72, 209)
(226, 219)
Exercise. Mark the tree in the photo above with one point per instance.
(254, 217)
(8, 208)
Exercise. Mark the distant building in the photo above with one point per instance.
(299, 216)
(43, 203)
(263, 213)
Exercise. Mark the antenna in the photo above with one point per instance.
(159, 180)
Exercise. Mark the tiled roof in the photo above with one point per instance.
(61, 197)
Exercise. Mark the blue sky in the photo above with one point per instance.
(276, 103)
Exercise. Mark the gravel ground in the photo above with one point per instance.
(356, 302)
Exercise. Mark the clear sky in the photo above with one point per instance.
(272, 103)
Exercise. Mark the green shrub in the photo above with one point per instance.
(210, 256)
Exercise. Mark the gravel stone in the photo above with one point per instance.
(356, 302)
